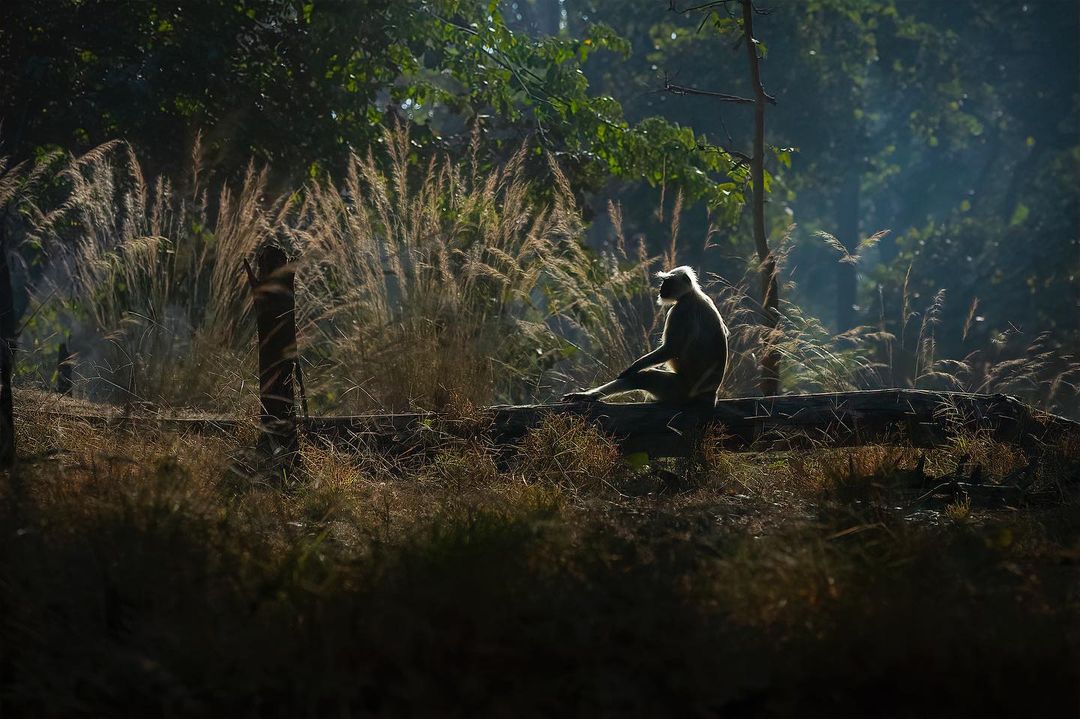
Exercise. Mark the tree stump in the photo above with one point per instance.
(275, 317)
(64, 361)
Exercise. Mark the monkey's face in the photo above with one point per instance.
(672, 288)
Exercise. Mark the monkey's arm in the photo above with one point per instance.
(679, 334)
(660, 355)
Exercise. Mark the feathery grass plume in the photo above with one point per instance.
(20, 183)
(21, 180)
(846, 257)
(145, 280)
(905, 306)
(615, 213)
(871, 241)
(1042, 371)
(422, 282)
(8, 181)
(926, 344)
(830, 240)
(671, 257)
(970, 318)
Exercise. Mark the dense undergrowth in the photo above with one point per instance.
(153, 574)
(420, 280)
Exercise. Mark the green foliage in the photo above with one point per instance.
(307, 81)
(933, 107)
(283, 80)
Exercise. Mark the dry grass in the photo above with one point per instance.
(420, 281)
(414, 284)
(161, 578)
(158, 573)
(426, 283)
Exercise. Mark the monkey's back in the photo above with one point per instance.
(698, 331)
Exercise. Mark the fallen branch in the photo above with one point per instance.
(843, 419)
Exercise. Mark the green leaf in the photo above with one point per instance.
(1019, 215)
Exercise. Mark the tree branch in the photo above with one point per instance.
(726, 97)
(722, 96)
(742, 157)
(672, 7)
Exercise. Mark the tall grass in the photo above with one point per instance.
(144, 277)
(421, 280)
(901, 350)
(415, 283)
(813, 359)
(163, 577)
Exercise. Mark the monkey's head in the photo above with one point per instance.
(676, 283)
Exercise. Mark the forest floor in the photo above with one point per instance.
(151, 572)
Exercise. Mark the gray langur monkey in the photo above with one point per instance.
(694, 349)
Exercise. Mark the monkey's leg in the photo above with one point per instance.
(665, 386)
(596, 393)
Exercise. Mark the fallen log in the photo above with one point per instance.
(212, 426)
(916, 418)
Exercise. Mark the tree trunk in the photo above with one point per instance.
(848, 234)
(64, 360)
(770, 291)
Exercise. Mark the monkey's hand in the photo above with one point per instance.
(579, 397)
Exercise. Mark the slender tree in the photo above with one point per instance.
(769, 382)
(770, 291)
